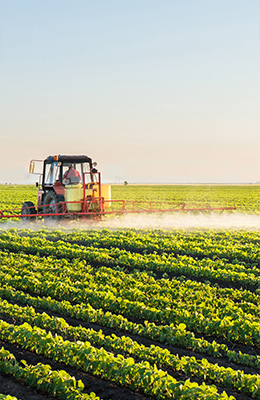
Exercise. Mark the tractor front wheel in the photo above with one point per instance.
(29, 210)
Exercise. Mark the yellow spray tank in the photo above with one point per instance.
(105, 193)
(74, 192)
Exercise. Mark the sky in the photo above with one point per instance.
(154, 91)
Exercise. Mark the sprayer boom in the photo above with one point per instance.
(96, 209)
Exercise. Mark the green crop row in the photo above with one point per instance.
(233, 327)
(172, 335)
(243, 246)
(57, 383)
(138, 283)
(135, 287)
(190, 366)
(122, 370)
(206, 268)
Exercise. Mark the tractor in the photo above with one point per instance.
(69, 186)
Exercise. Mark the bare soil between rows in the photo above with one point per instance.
(10, 386)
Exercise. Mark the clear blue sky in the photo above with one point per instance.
(154, 91)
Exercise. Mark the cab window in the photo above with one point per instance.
(86, 170)
(52, 172)
(66, 167)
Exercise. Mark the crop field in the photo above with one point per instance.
(131, 314)
(245, 197)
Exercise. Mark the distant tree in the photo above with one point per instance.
(125, 183)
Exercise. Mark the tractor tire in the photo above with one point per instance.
(28, 208)
(50, 200)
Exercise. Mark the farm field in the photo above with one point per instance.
(245, 197)
(131, 313)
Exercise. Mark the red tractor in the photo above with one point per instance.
(69, 186)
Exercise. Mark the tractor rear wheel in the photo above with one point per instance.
(29, 210)
(52, 205)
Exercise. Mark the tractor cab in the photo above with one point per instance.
(56, 170)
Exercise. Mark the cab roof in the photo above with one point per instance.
(69, 159)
